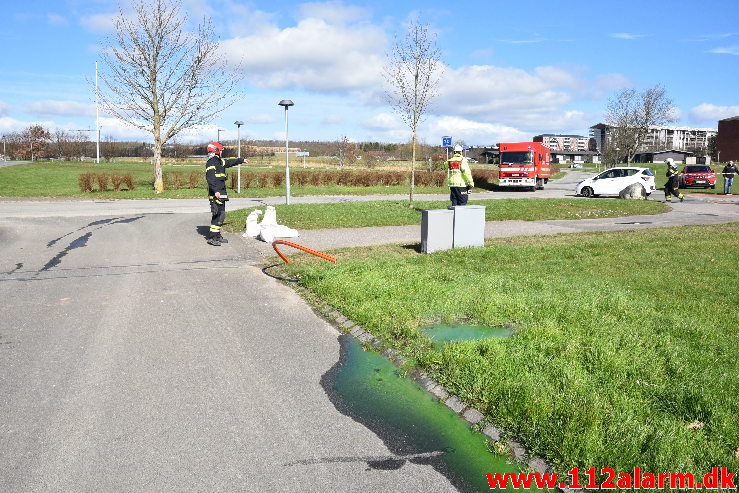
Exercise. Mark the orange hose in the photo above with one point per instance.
(299, 247)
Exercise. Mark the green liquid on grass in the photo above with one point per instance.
(441, 334)
(412, 423)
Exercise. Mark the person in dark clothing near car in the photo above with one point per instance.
(729, 171)
(215, 174)
(672, 181)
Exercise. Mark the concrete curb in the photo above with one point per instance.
(468, 413)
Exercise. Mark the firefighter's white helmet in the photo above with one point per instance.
(671, 163)
(458, 148)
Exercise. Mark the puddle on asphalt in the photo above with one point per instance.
(413, 424)
(82, 240)
(78, 243)
(441, 334)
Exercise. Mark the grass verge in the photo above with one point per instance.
(626, 342)
(397, 213)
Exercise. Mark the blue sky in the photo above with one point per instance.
(512, 70)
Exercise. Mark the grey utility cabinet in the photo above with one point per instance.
(437, 228)
(455, 227)
(469, 226)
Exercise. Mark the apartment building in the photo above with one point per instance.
(558, 142)
(660, 138)
(728, 139)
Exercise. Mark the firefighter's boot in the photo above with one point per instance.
(213, 240)
(221, 239)
(681, 197)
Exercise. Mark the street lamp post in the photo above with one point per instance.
(238, 124)
(286, 103)
(97, 113)
(218, 139)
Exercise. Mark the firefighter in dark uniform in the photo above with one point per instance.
(215, 174)
(673, 182)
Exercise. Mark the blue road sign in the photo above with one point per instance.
(446, 141)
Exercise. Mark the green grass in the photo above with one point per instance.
(60, 179)
(625, 350)
(395, 213)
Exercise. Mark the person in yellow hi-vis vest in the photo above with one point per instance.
(459, 177)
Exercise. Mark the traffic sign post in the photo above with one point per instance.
(446, 141)
(303, 154)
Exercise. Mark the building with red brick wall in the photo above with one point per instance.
(728, 139)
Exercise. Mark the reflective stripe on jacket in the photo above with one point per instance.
(672, 175)
(215, 175)
(458, 171)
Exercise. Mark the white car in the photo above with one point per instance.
(612, 181)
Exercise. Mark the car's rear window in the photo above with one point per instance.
(697, 169)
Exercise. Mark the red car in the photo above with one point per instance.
(697, 175)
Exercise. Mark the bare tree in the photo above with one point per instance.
(163, 79)
(11, 145)
(110, 148)
(345, 151)
(413, 72)
(712, 147)
(631, 114)
(59, 143)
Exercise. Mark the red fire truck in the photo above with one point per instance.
(524, 164)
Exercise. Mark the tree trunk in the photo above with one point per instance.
(413, 169)
(158, 181)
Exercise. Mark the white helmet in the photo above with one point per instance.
(458, 148)
(671, 163)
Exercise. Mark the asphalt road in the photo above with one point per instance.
(134, 357)
(5, 164)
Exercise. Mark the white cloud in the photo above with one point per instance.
(332, 119)
(707, 112)
(56, 19)
(8, 125)
(482, 54)
(508, 96)
(99, 22)
(473, 131)
(629, 36)
(4, 108)
(382, 121)
(520, 41)
(60, 108)
(329, 54)
(726, 50)
(712, 36)
(261, 118)
(612, 82)
(333, 12)
(241, 20)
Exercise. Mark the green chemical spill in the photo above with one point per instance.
(413, 424)
(441, 334)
